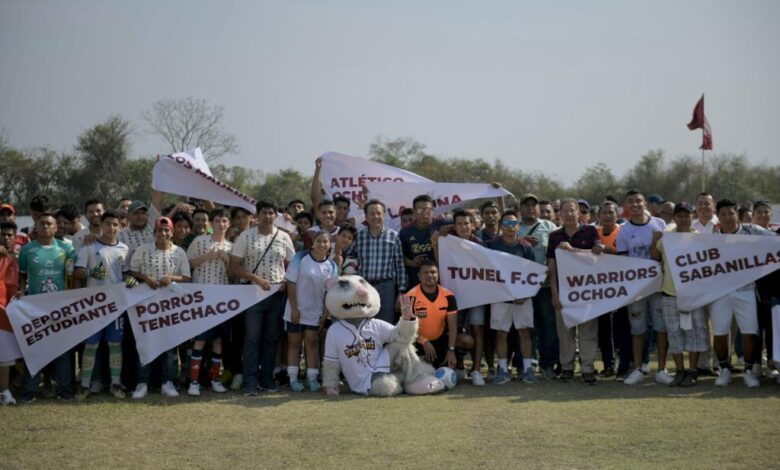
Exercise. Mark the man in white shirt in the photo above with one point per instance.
(706, 220)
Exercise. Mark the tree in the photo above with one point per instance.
(284, 186)
(398, 152)
(187, 123)
(104, 151)
(596, 183)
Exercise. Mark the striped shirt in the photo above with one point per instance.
(381, 258)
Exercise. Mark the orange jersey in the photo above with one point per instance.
(611, 239)
(432, 313)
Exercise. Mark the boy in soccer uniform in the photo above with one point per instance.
(101, 263)
(209, 257)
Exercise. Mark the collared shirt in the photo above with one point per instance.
(381, 257)
(251, 247)
(709, 227)
(541, 229)
(586, 237)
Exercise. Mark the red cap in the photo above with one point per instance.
(10, 207)
(163, 222)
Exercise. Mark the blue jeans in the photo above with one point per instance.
(62, 374)
(262, 322)
(387, 294)
(168, 367)
(544, 328)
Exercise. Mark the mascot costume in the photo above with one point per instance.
(377, 358)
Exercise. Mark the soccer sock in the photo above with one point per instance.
(292, 371)
(723, 364)
(311, 374)
(527, 363)
(502, 364)
(197, 357)
(216, 365)
(748, 366)
(87, 364)
(115, 361)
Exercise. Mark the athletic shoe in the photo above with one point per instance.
(313, 385)
(169, 390)
(461, 374)
(548, 373)
(491, 373)
(251, 392)
(476, 378)
(567, 376)
(636, 376)
(194, 390)
(621, 375)
(118, 391)
(502, 377)
(589, 378)
(690, 378)
(28, 397)
(646, 369)
(269, 388)
(65, 396)
(296, 386)
(679, 376)
(96, 387)
(217, 387)
(282, 378)
(607, 373)
(750, 379)
(141, 390)
(724, 377)
(528, 376)
(757, 370)
(664, 377)
(7, 398)
(83, 393)
(238, 380)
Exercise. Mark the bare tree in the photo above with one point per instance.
(187, 123)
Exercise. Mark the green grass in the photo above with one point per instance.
(548, 425)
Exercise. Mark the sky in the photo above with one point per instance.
(553, 87)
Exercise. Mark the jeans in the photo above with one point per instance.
(169, 369)
(62, 374)
(606, 345)
(544, 328)
(387, 294)
(260, 339)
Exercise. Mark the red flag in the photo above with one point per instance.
(699, 121)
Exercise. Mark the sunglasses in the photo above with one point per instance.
(510, 223)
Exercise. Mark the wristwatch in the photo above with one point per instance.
(451, 348)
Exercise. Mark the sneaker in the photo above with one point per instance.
(646, 369)
(589, 378)
(282, 378)
(636, 376)
(548, 373)
(476, 378)
(141, 390)
(251, 392)
(314, 385)
(502, 377)
(28, 397)
(750, 379)
(664, 377)
(7, 398)
(724, 377)
(621, 375)
(194, 390)
(461, 374)
(679, 376)
(83, 393)
(65, 397)
(238, 380)
(169, 390)
(528, 376)
(607, 373)
(269, 388)
(118, 391)
(567, 376)
(96, 387)
(217, 387)
(491, 373)
(757, 370)
(296, 386)
(690, 378)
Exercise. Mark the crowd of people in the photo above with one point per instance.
(264, 347)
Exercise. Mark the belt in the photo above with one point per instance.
(378, 281)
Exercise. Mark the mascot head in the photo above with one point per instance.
(351, 297)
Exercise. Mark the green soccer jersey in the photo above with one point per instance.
(44, 265)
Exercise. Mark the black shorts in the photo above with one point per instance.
(440, 345)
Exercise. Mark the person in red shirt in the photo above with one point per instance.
(9, 283)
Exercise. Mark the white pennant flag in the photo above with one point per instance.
(187, 174)
(590, 285)
(480, 276)
(343, 175)
(446, 196)
(47, 325)
(176, 314)
(708, 266)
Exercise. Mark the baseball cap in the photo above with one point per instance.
(683, 207)
(163, 222)
(656, 199)
(9, 207)
(527, 197)
(136, 205)
(583, 202)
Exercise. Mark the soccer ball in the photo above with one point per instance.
(447, 376)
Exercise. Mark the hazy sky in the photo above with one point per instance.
(548, 86)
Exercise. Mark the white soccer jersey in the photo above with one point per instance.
(150, 261)
(134, 239)
(359, 350)
(309, 277)
(104, 263)
(209, 272)
(251, 245)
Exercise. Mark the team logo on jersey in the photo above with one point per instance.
(48, 286)
(360, 348)
(421, 313)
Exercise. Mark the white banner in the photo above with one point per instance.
(176, 314)
(480, 276)
(47, 325)
(708, 266)
(187, 174)
(343, 175)
(446, 196)
(590, 285)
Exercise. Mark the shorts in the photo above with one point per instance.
(112, 333)
(638, 315)
(475, 315)
(440, 345)
(740, 304)
(696, 339)
(503, 315)
(219, 331)
(291, 327)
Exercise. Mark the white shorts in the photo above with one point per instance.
(475, 315)
(503, 315)
(740, 304)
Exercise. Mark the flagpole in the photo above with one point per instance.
(703, 172)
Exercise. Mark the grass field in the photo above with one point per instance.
(548, 425)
